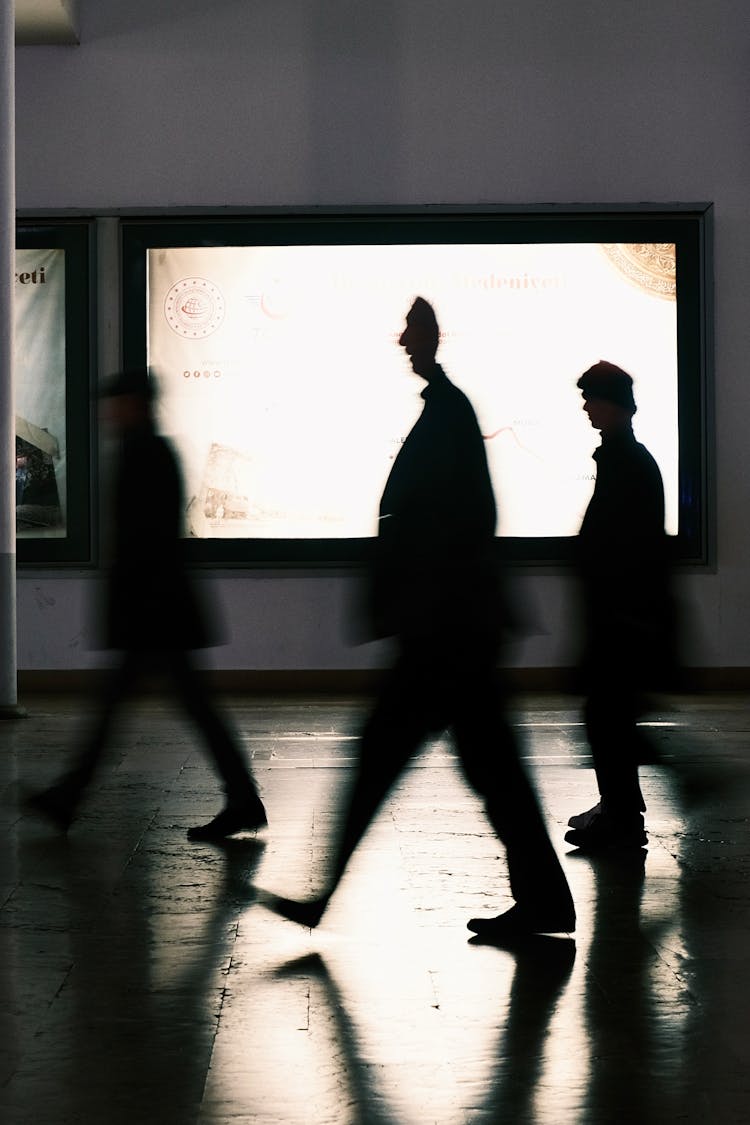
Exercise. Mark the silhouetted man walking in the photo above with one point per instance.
(624, 570)
(435, 588)
(152, 614)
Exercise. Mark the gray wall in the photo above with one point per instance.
(302, 102)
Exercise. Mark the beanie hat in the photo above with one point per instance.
(606, 381)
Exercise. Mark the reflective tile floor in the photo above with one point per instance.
(141, 983)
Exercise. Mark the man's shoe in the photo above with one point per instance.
(584, 819)
(304, 913)
(245, 817)
(518, 923)
(54, 805)
(605, 834)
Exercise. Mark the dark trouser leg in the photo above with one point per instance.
(118, 686)
(393, 732)
(488, 750)
(611, 714)
(221, 743)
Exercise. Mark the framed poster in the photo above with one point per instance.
(273, 340)
(52, 325)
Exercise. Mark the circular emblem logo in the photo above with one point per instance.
(649, 265)
(194, 308)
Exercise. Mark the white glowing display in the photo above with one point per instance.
(287, 395)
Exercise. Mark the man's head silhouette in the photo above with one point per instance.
(420, 337)
(607, 396)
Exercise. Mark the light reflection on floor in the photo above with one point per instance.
(141, 982)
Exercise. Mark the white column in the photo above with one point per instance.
(8, 658)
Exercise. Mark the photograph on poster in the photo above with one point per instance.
(40, 393)
(284, 389)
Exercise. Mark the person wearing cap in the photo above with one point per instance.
(153, 615)
(623, 567)
(434, 589)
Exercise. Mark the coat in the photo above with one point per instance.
(623, 561)
(151, 602)
(434, 568)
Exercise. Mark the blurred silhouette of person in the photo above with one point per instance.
(152, 613)
(435, 588)
(628, 613)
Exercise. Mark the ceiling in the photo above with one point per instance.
(46, 21)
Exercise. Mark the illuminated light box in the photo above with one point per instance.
(274, 342)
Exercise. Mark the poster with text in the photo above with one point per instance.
(287, 395)
(39, 356)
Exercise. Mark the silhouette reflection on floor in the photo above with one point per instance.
(141, 982)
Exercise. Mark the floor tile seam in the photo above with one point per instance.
(224, 993)
(135, 849)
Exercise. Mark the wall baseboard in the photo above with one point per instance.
(353, 682)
